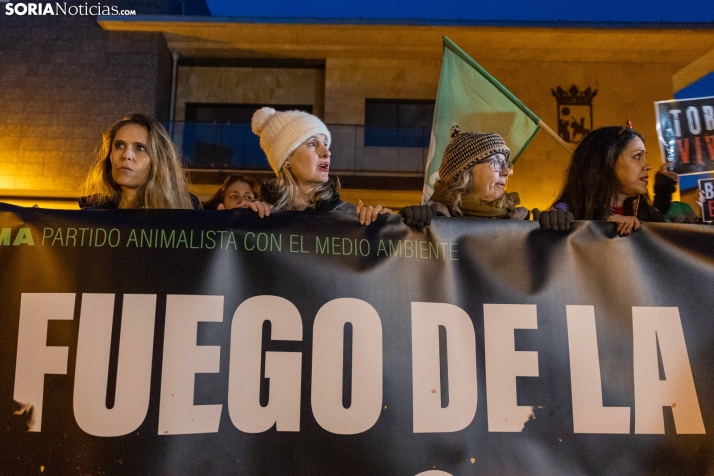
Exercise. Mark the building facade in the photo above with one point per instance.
(64, 80)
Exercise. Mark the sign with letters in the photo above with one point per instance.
(707, 188)
(685, 129)
(189, 342)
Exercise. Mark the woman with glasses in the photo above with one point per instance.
(472, 182)
(607, 180)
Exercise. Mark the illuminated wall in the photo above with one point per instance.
(63, 80)
(250, 86)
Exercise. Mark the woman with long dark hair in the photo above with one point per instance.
(608, 177)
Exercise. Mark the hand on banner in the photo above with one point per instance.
(368, 214)
(556, 220)
(419, 215)
(700, 199)
(624, 224)
(261, 208)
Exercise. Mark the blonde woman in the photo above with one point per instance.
(297, 145)
(137, 167)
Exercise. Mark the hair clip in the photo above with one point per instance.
(628, 125)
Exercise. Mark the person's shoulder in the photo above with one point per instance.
(652, 214)
(344, 207)
(96, 202)
(195, 202)
(268, 191)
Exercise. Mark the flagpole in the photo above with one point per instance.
(555, 136)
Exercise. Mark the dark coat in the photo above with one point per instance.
(101, 202)
(271, 196)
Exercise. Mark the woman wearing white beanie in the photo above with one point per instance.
(297, 145)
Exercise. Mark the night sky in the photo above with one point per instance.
(697, 11)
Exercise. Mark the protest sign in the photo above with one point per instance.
(188, 342)
(685, 129)
(707, 188)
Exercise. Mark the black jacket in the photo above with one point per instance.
(103, 202)
(334, 204)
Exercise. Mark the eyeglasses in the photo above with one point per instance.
(498, 164)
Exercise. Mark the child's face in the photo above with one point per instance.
(237, 194)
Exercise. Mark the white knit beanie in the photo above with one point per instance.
(282, 132)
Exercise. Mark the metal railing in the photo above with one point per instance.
(354, 148)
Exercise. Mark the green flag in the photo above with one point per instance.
(473, 99)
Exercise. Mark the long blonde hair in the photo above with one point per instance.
(166, 186)
(287, 190)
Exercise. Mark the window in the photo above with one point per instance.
(220, 136)
(398, 122)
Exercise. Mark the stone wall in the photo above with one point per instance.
(63, 80)
(233, 85)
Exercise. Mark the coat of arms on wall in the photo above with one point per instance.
(575, 112)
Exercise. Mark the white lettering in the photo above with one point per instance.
(133, 384)
(504, 363)
(589, 415)
(708, 190)
(282, 368)
(327, 365)
(693, 122)
(708, 113)
(429, 416)
(183, 359)
(650, 326)
(675, 122)
(34, 357)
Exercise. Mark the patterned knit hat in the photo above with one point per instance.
(282, 132)
(467, 148)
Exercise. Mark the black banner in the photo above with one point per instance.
(686, 134)
(183, 342)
